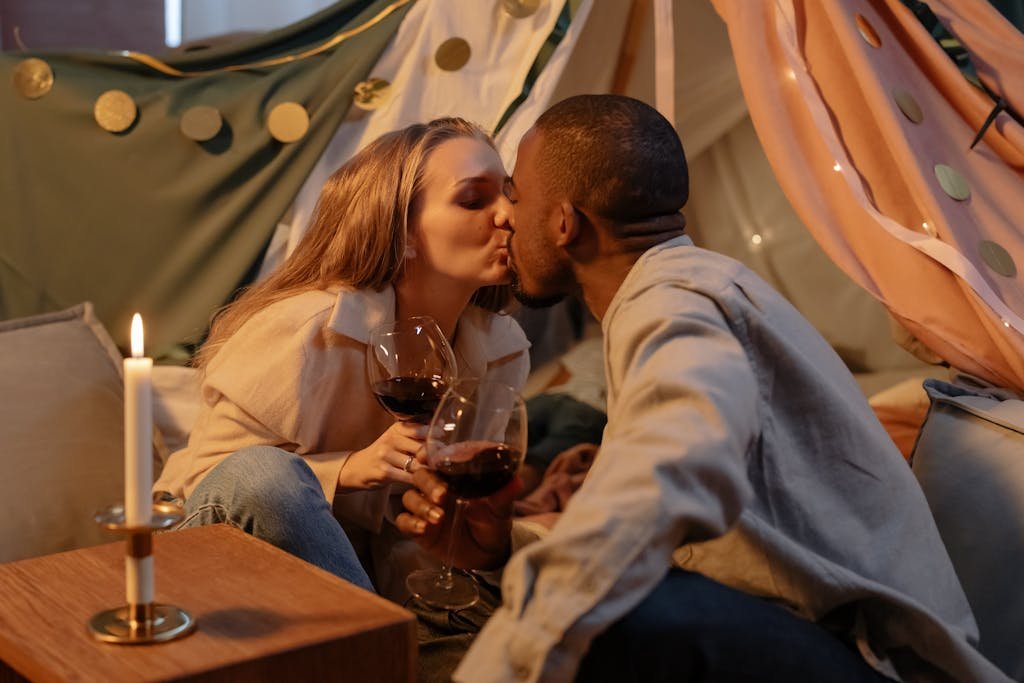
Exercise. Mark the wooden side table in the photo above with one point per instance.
(262, 615)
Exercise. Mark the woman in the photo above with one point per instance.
(290, 439)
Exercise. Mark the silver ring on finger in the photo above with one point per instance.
(408, 464)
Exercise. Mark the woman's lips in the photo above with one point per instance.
(503, 257)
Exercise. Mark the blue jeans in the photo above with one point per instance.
(273, 495)
(691, 628)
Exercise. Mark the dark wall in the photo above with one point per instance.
(98, 24)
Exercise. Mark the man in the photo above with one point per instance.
(738, 450)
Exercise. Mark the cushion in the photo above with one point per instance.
(176, 402)
(901, 409)
(61, 432)
(969, 460)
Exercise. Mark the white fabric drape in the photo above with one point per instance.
(503, 49)
(734, 195)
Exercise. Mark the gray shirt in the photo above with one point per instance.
(738, 446)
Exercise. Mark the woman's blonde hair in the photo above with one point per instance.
(357, 236)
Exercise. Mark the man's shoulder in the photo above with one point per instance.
(698, 269)
(682, 275)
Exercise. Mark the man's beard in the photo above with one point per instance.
(528, 300)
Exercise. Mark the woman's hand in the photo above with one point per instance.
(482, 541)
(393, 457)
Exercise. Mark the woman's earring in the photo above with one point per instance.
(410, 251)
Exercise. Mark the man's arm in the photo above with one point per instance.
(672, 469)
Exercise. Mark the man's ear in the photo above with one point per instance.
(569, 227)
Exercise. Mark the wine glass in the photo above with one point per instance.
(475, 445)
(410, 365)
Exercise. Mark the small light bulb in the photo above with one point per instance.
(755, 239)
(836, 167)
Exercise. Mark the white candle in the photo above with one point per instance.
(138, 459)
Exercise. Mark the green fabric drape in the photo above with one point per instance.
(149, 220)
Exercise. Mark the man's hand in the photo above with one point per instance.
(483, 538)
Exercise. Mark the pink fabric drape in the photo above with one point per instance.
(860, 173)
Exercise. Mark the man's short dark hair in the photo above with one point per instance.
(614, 156)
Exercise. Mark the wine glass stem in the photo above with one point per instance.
(444, 580)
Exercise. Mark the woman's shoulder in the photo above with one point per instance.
(281, 343)
(283, 326)
(292, 314)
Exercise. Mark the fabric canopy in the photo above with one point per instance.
(149, 220)
(859, 111)
(484, 91)
(736, 206)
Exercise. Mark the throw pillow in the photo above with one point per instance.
(969, 460)
(61, 432)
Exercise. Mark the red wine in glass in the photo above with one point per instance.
(488, 468)
(475, 443)
(409, 365)
(411, 399)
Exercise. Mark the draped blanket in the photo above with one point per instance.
(868, 125)
(147, 219)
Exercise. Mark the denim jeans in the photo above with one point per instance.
(691, 628)
(273, 495)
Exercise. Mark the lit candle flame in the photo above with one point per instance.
(136, 336)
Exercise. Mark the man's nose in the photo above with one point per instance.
(504, 216)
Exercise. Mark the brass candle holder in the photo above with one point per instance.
(136, 624)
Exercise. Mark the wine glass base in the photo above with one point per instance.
(428, 586)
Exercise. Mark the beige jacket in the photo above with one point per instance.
(294, 377)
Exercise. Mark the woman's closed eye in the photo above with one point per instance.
(477, 197)
(473, 204)
(480, 191)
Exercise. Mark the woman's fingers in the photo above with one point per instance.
(406, 462)
(412, 430)
(397, 474)
(398, 467)
(408, 445)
